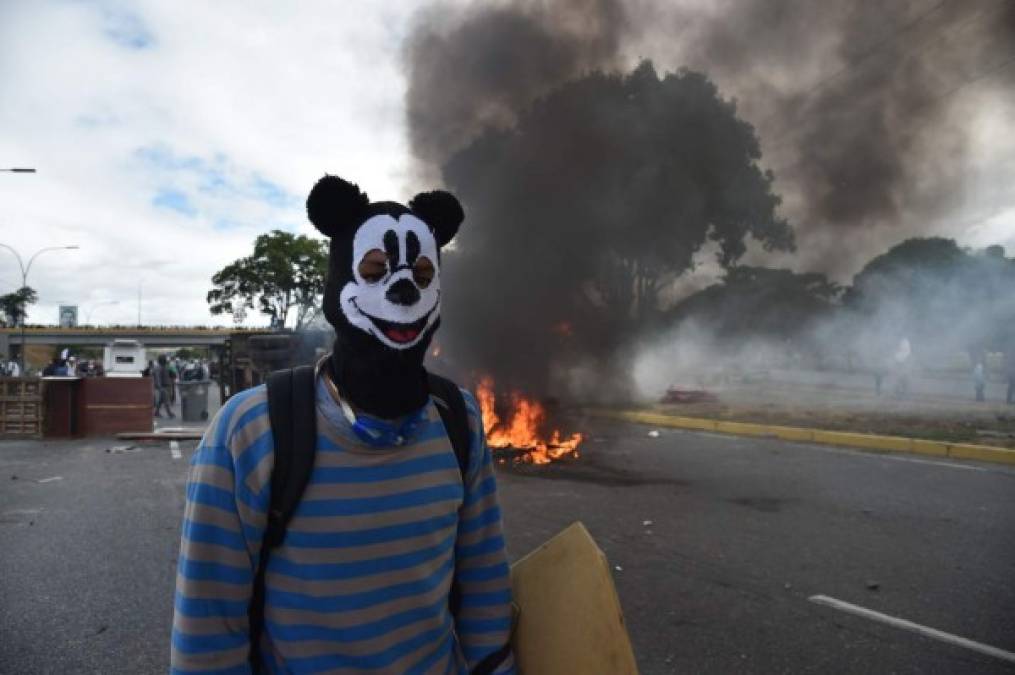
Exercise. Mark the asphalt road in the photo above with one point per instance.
(742, 533)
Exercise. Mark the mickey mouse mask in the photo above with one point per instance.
(383, 291)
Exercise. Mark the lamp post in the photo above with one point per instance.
(25, 269)
(91, 309)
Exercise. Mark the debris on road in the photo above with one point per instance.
(678, 395)
(119, 449)
(646, 523)
(873, 585)
(14, 476)
(178, 435)
(50, 479)
(653, 434)
(618, 568)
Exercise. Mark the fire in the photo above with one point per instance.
(521, 430)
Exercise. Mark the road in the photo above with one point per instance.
(743, 532)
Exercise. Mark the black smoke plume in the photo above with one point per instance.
(857, 107)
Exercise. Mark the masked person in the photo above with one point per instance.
(393, 560)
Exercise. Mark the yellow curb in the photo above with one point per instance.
(875, 442)
(982, 453)
(935, 448)
(866, 441)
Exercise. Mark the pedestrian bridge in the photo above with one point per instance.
(100, 336)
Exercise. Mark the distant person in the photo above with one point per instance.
(173, 373)
(1009, 360)
(979, 380)
(52, 368)
(901, 362)
(162, 383)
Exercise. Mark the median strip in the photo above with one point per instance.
(873, 442)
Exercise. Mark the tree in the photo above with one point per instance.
(285, 272)
(14, 306)
(939, 295)
(591, 205)
(753, 302)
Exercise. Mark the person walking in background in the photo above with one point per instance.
(1009, 362)
(979, 380)
(172, 374)
(160, 375)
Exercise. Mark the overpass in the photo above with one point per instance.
(101, 336)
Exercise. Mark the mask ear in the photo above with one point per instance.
(335, 206)
(441, 211)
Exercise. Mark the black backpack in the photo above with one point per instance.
(292, 412)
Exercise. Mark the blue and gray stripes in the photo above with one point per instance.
(362, 580)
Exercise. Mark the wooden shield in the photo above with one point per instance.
(569, 620)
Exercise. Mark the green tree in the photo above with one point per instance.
(14, 306)
(939, 294)
(285, 273)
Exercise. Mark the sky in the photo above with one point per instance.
(166, 140)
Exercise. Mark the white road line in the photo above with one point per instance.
(913, 627)
(174, 449)
(897, 458)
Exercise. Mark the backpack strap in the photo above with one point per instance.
(451, 406)
(292, 412)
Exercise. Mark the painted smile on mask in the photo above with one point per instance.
(399, 333)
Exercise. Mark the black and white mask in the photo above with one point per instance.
(384, 264)
(395, 290)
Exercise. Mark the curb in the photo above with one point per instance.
(872, 442)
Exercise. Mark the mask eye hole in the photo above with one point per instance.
(374, 266)
(423, 272)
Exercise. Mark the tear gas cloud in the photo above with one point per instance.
(861, 110)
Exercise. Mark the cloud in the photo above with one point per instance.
(126, 29)
(167, 140)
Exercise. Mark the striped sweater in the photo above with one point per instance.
(361, 581)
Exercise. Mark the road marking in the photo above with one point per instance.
(900, 458)
(913, 627)
(50, 479)
(174, 449)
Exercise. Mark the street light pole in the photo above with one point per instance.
(25, 269)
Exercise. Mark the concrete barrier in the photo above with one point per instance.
(870, 442)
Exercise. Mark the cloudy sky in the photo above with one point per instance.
(166, 140)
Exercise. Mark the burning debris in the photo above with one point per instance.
(680, 396)
(521, 429)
